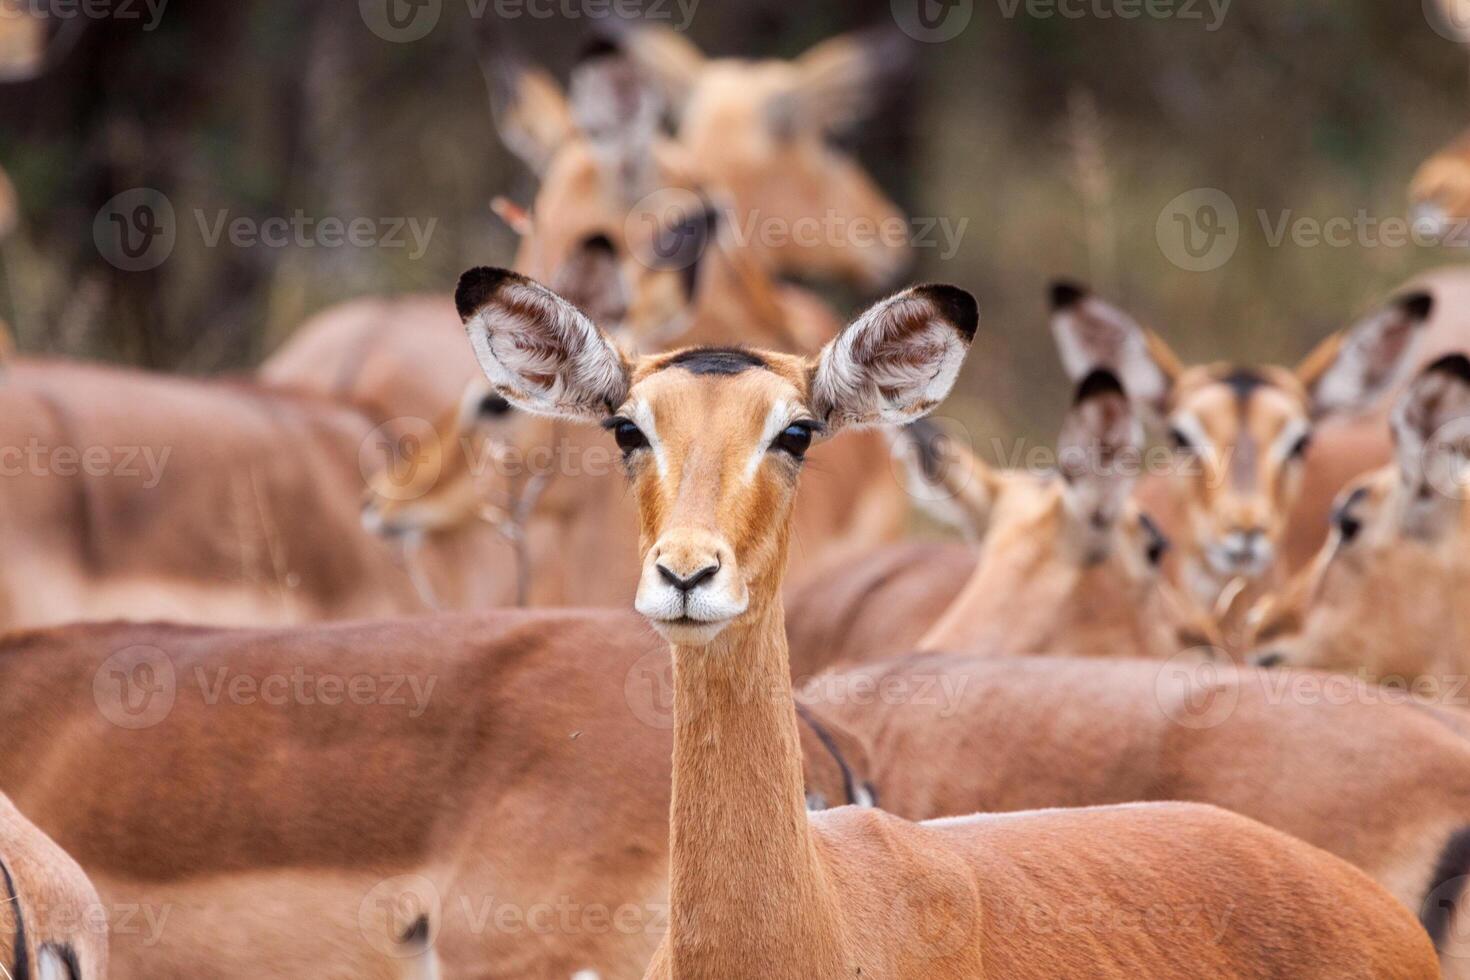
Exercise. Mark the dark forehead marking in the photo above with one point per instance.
(716, 360)
(1243, 381)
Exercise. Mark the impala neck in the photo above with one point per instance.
(745, 882)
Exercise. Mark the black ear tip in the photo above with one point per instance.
(1098, 383)
(477, 286)
(1455, 365)
(1066, 294)
(958, 306)
(1417, 305)
(603, 45)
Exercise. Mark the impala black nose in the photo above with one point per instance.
(692, 582)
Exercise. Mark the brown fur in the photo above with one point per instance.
(757, 888)
(263, 850)
(48, 904)
(1381, 785)
(253, 518)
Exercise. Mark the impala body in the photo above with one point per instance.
(713, 441)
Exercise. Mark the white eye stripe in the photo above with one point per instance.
(641, 415)
(1190, 427)
(1291, 434)
(779, 417)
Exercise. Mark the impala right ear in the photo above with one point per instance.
(1351, 368)
(1092, 334)
(538, 351)
(531, 113)
(897, 361)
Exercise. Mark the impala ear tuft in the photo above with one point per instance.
(954, 304)
(477, 286)
(1065, 294)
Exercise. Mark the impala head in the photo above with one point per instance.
(1439, 194)
(1242, 434)
(437, 483)
(1067, 563)
(713, 438)
(1390, 591)
(761, 130)
(597, 233)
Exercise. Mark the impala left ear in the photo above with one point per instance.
(1099, 453)
(1432, 452)
(897, 361)
(538, 351)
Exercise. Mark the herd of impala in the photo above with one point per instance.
(334, 676)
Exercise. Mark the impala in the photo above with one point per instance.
(138, 495)
(1242, 433)
(408, 354)
(231, 781)
(53, 924)
(1388, 595)
(1383, 786)
(713, 441)
(1067, 563)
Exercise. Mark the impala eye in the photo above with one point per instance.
(1180, 441)
(493, 406)
(795, 439)
(630, 438)
(1156, 542)
(1300, 447)
(1349, 525)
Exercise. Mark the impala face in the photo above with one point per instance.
(1439, 194)
(760, 129)
(441, 481)
(1389, 594)
(1068, 564)
(1242, 437)
(1242, 434)
(713, 438)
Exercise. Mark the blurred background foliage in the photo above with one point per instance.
(1059, 140)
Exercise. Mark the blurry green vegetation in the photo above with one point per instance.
(1059, 140)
